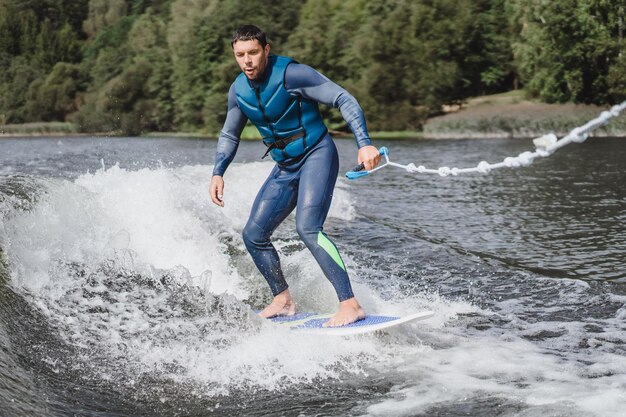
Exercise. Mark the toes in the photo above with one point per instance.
(335, 323)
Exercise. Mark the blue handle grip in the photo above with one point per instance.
(353, 175)
(358, 171)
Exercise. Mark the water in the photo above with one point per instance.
(125, 292)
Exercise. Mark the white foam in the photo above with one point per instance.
(510, 368)
(164, 217)
(552, 376)
(156, 223)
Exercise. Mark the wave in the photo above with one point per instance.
(140, 266)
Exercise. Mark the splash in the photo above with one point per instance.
(138, 271)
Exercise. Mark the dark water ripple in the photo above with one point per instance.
(562, 216)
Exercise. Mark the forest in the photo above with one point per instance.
(134, 66)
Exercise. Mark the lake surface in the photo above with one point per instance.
(125, 292)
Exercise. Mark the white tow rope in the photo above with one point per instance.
(545, 146)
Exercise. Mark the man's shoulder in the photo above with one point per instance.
(239, 81)
(282, 59)
(232, 91)
(301, 75)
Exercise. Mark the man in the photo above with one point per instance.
(280, 97)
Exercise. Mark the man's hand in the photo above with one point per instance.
(369, 157)
(216, 189)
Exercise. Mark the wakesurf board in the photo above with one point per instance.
(313, 323)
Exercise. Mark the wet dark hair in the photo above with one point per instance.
(248, 33)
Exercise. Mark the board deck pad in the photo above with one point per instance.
(312, 323)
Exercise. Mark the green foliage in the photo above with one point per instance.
(34, 37)
(102, 14)
(160, 7)
(487, 62)
(113, 36)
(53, 98)
(132, 91)
(18, 76)
(54, 46)
(616, 79)
(129, 66)
(566, 48)
(18, 32)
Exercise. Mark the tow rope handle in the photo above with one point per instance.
(359, 170)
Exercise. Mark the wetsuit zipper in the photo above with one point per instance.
(267, 120)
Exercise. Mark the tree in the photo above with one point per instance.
(13, 91)
(54, 97)
(566, 49)
(54, 46)
(487, 65)
(102, 14)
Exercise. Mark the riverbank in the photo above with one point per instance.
(511, 115)
(39, 129)
(507, 115)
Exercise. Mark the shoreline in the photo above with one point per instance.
(375, 135)
(507, 115)
(408, 135)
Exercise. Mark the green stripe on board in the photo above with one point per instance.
(328, 246)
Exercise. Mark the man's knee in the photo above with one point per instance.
(307, 232)
(253, 235)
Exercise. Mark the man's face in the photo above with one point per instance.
(251, 57)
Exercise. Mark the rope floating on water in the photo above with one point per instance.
(545, 146)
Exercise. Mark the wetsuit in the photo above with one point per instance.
(304, 178)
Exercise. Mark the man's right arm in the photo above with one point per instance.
(227, 145)
(228, 142)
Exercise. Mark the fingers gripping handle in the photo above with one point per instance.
(359, 170)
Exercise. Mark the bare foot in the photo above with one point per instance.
(349, 312)
(281, 305)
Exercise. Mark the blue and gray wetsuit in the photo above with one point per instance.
(283, 106)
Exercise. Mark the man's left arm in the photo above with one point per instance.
(304, 81)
